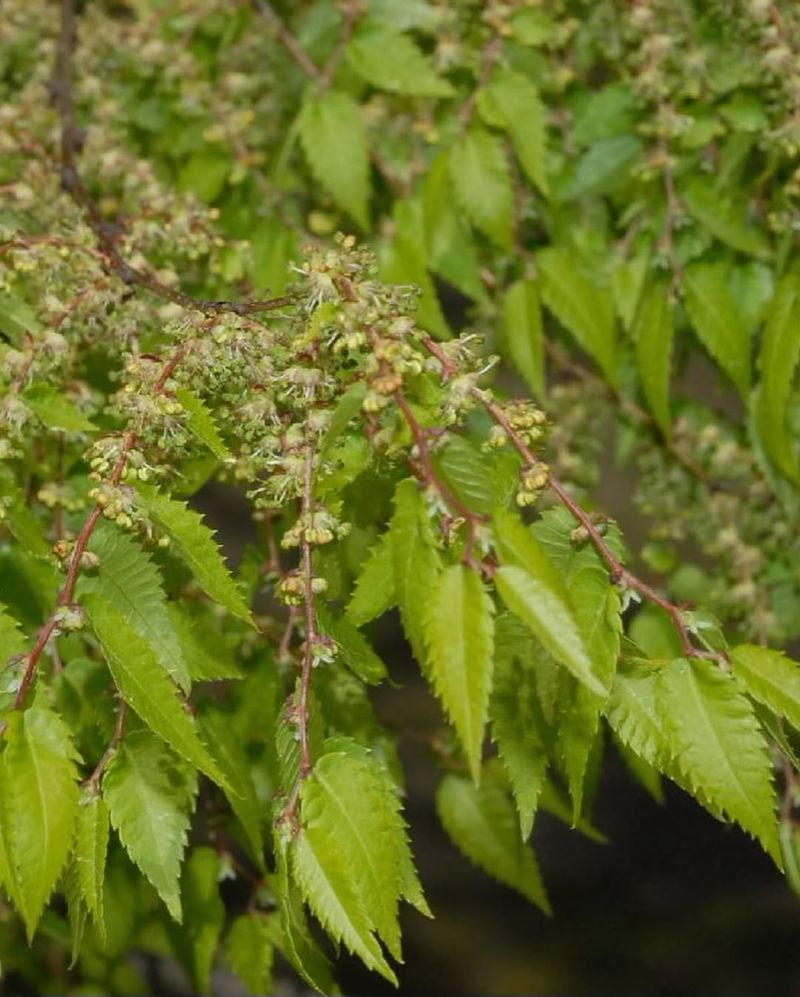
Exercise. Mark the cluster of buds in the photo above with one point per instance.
(525, 418)
(532, 482)
(118, 502)
(315, 528)
(291, 589)
(69, 619)
(58, 494)
(62, 551)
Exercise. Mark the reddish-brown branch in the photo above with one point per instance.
(93, 782)
(617, 572)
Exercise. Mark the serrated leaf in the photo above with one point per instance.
(585, 309)
(653, 334)
(719, 747)
(232, 760)
(482, 184)
(354, 648)
(129, 581)
(482, 823)
(522, 333)
(392, 61)
(17, 318)
(347, 408)
(780, 351)
(532, 588)
(150, 794)
(320, 871)
(194, 542)
(12, 639)
(633, 712)
(335, 143)
(416, 563)
(522, 735)
(204, 914)
(374, 592)
(723, 219)
(201, 423)
(248, 949)
(451, 249)
(56, 411)
(770, 677)
(482, 481)
(89, 855)
(643, 772)
(627, 283)
(39, 803)
(347, 803)
(296, 941)
(459, 632)
(26, 528)
(717, 322)
(145, 688)
(511, 101)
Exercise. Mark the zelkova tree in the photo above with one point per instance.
(168, 724)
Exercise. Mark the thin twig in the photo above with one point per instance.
(93, 782)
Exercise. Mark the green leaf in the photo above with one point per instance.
(770, 677)
(150, 794)
(335, 143)
(248, 949)
(723, 219)
(347, 408)
(482, 823)
(346, 803)
(145, 688)
(353, 646)
(522, 333)
(416, 563)
(129, 581)
(717, 321)
(603, 167)
(585, 309)
(12, 639)
(532, 588)
(482, 184)
(523, 737)
(511, 101)
(26, 528)
(719, 747)
(627, 283)
(194, 542)
(207, 655)
(320, 870)
(392, 61)
(204, 915)
(634, 715)
(482, 481)
(780, 351)
(374, 592)
(201, 423)
(459, 632)
(17, 318)
(296, 942)
(55, 411)
(39, 802)
(89, 856)
(653, 334)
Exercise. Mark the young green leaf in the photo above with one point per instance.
(374, 592)
(719, 747)
(207, 655)
(482, 481)
(320, 870)
(459, 633)
(145, 688)
(56, 411)
(89, 855)
(249, 951)
(780, 351)
(511, 101)
(482, 184)
(12, 639)
(353, 646)
(347, 803)
(482, 823)
(770, 677)
(627, 283)
(722, 218)
(335, 143)
(653, 334)
(39, 804)
(203, 916)
(717, 321)
(201, 422)
(602, 166)
(129, 581)
(532, 588)
(522, 333)
(150, 794)
(392, 61)
(585, 309)
(195, 544)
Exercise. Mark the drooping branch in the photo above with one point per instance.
(618, 574)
